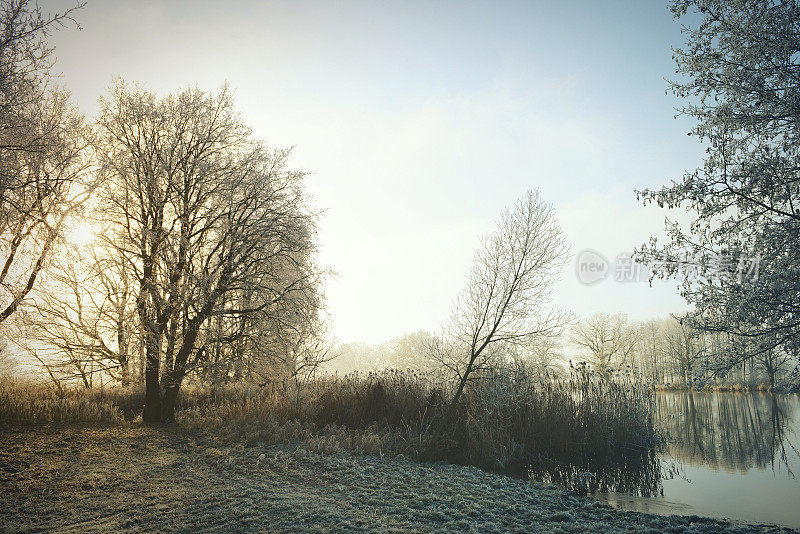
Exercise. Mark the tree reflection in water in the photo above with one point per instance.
(722, 431)
(640, 474)
(732, 432)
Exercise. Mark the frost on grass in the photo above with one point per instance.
(134, 478)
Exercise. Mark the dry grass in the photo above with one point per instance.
(503, 422)
(509, 423)
(37, 404)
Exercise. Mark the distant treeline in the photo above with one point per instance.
(665, 352)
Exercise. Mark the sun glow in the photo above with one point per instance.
(81, 233)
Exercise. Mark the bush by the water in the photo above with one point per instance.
(504, 421)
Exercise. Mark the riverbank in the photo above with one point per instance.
(136, 478)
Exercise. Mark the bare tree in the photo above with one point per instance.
(25, 64)
(651, 352)
(50, 186)
(507, 298)
(773, 362)
(310, 349)
(770, 359)
(211, 224)
(406, 352)
(358, 357)
(608, 338)
(409, 351)
(83, 317)
(541, 354)
(685, 349)
(41, 151)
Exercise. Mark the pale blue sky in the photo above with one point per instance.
(421, 121)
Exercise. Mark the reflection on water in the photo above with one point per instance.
(732, 432)
(729, 455)
(640, 475)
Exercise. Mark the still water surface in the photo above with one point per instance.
(730, 455)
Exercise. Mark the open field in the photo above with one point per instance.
(137, 478)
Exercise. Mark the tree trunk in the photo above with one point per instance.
(142, 360)
(168, 403)
(459, 391)
(169, 354)
(174, 377)
(152, 399)
(124, 360)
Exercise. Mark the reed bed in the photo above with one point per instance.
(511, 422)
(505, 421)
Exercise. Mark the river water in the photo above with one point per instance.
(730, 456)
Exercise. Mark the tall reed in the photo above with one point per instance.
(505, 421)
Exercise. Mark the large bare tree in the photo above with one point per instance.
(210, 222)
(507, 298)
